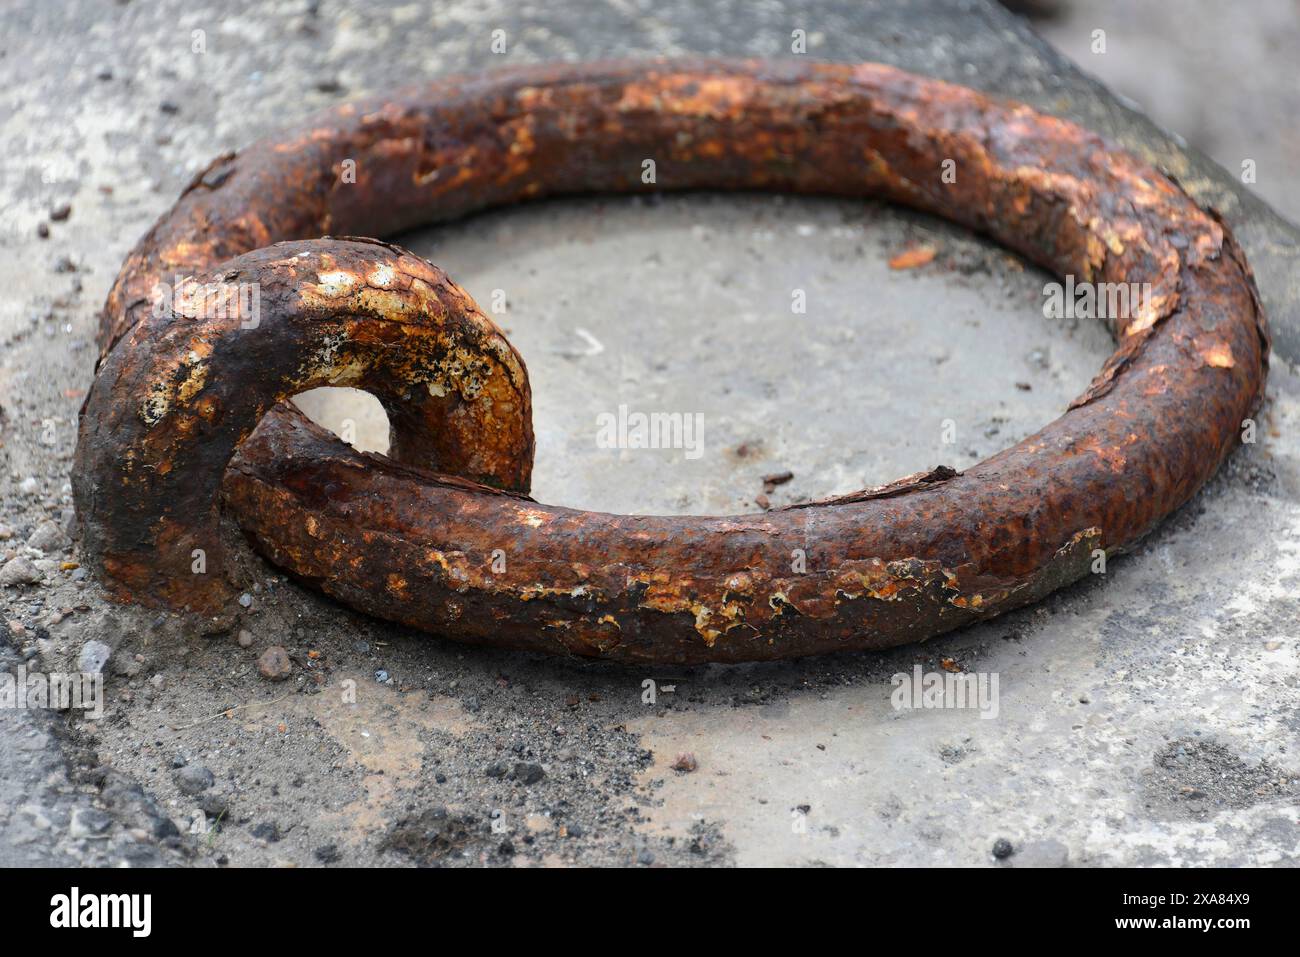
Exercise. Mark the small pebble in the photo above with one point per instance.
(1002, 849)
(274, 663)
(528, 772)
(214, 804)
(20, 571)
(47, 537)
(94, 655)
(194, 779)
(88, 822)
(267, 831)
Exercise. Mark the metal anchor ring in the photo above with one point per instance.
(883, 567)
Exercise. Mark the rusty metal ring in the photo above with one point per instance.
(881, 567)
(188, 383)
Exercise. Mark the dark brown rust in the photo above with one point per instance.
(870, 570)
(191, 380)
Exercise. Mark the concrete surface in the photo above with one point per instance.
(1148, 716)
(1216, 73)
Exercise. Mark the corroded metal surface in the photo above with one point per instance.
(190, 381)
(475, 563)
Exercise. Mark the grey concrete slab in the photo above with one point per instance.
(1146, 717)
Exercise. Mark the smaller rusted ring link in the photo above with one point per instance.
(185, 386)
(882, 567)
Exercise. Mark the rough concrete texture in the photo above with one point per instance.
(1148, 716)
(1206, 73)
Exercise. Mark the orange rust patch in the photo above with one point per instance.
(1114, 459)
(1218, 355)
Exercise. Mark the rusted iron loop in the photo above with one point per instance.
(190, 381)
(441, 536)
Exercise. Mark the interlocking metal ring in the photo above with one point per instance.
(411, 537)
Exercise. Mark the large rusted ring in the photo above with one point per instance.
(879, 568)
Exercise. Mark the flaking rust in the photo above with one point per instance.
(188, 383)
(442, 536)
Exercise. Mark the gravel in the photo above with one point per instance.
(20, 571)
(274, 664)
(48, 537)
(93, 657)
(194, 779)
